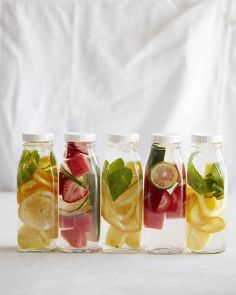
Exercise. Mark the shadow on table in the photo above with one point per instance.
(8, 249)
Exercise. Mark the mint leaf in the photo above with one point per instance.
(215, 175)
(195, 180)
(117, 164)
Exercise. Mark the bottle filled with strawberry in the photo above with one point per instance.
(79, 194)
(164, 196)
(122, 195)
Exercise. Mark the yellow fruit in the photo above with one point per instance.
(130, 195)
(196, 239)
(137, 171)
(37, 210)
(115, 238)
(44, 178)
(29, 187)
(133, 240)
(211, 206)
(30, 239)
(195, 217)
(214, 225)
(44, 162)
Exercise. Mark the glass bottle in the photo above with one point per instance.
(164, 196)
(122, 195)
(37, 194)
(206, 195)
(79, 194)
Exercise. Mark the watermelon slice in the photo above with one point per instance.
(153, 220)
(73, 192)
(83, 222)
(73, 150)
(75, 238)
(177, 207)
(66, 222)
(78, 165)
(152, 196)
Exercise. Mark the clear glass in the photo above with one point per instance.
(79, 199)
(164, 201)
(37, 197)
(122, 198)
(206, 199)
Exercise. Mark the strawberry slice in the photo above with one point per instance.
(72, 192)
(165, 203)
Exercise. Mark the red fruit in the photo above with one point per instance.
(83, 222)
(62, 179)
(152, 196)
(165, 202)
(78, 165)
(153, 220)
(75, 238)
(72, 192)
(66, 222)
(177, 207)
(73, 150)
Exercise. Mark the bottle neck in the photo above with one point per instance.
(207, 147)
(157, 146)
(37, 145)
(123, 146)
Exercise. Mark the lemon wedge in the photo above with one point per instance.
(195, 217)
(133, 240)
(136, 168)
(37, 210)
(211, 206)
(214, 225)
(115, 238)
(196, 239)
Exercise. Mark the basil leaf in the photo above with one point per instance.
(215, 175)
(195, 180)
(117, 164)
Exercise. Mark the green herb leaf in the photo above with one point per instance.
(195, 180)
(215, 175)
(105, 170)
(119, 178)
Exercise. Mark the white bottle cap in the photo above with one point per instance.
(38, 137)
(206, 138)
(165, 138)
(123, 137)
(79, 137)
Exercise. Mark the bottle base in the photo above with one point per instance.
(164, 251)
(110, 250)
(74, 250)
(217, 251)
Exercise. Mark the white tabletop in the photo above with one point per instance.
(71, 273)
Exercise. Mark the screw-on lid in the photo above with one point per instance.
(165, 138)
(123, 137)
(79, 137)
(206, 138)
(38, 137)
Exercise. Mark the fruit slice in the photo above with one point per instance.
(73, 150)
(36, 210)
(83, 222)
(114, 237)
(163, 175)
(66, 222)
(78, 165)
(43, 177)
(152, 196)
(196, 217)
(214, 225)
(70, 207)
(30, 239)
(165, 203)
(29, 187)
(196, 239)
(153, 220)
(133, 240)
(177, 207)
(75, 238)
(211, 206)
(44, 162)
(136, 168)
(72, 192)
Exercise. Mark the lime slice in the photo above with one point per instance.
(37, 211)
(163, 175)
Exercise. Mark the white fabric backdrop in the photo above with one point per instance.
(107, 65)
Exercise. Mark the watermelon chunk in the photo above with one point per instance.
(152, 196)
(83, 222)
(177, 207)
(78, 165)
(75, 238)
(66, 222)
(153, 219)
(73, 150)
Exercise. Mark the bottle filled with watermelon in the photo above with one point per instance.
(122, 195)
(37, 194)
(79, 194)
(164, 196)
(206, 195)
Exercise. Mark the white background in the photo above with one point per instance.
(109, 65)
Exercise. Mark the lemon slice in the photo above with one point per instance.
(37, 210)
(28, 187)
(43, 177)
(30, 239)
(136, 168)
(214, 225)
(115, 238)
(195, 216)
(196, 239)
(44, 162)
(211, 206)
(133, 240)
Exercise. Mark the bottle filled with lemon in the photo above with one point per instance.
(206, 195)
(37, 194)
(122, 195)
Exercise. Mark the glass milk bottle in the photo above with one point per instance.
(206, 195)
(79, 194)
(164, 196)
(37, 194)
(122, 195)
